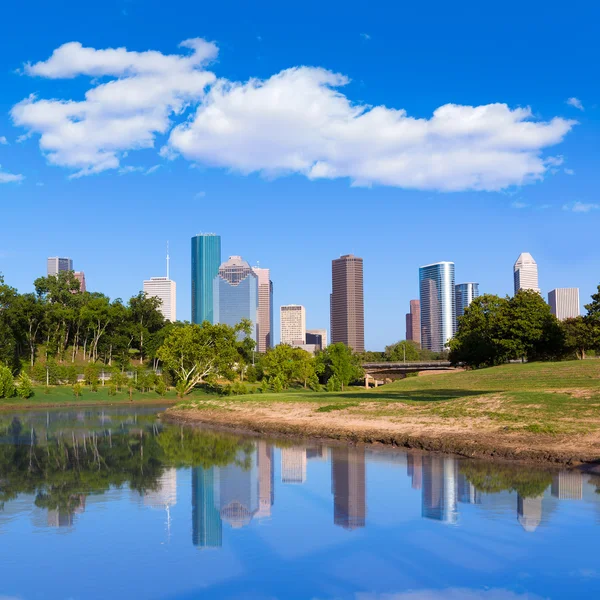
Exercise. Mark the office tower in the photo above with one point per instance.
(206, 259)
(293, 465)
(529, 512)
(438, 314)
(318, 337)
(293, 324)
(465, 293)
(207, 527)
(347, 302)
(165, 494)
(265, 309)
(80, 276)
(526, 273)
(348, 486)
(439, 489)
(56, 265)
(266, 479)
(413, 322)
(467, 492)
(564, 303)
(165, 290)
(567, 485)
(414, 469)
(235, 294)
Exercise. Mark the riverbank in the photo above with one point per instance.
(541, 412)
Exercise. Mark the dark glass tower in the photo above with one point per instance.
(207, 528)
(206, 259)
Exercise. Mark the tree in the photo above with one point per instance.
(405, 350)
(30, 309)
(288, 365)
(201, 353)
(7, 386)
(146, 317)
(24, 386)
(581, 334)
(338, 360)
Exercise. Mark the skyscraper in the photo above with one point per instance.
(413, 322)
(293, 464)
(348, 483)
(347, 302)
(438, 314)
(526, 273)
(165, 290)
(80, 276)
(265, 309)
(206, 259)
(56, 265)
(292, 323)
(207, 527)
(465, 293)
(235, 294)
(318, 337)
(440, 491)
(564, 303)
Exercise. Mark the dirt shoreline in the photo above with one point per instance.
(462, 439)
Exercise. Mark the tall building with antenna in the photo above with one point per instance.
(165, 289)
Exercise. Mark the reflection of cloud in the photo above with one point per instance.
(450, 594)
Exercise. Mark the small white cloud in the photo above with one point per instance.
(365, 36)
(519, 205)
(3, 141)
(40, 184)
(152, 169)
(9, 177)
(580, 207)
(543, 206)
(575, 103)
(130, 169)
(569, 172)
(200, 195)
(24, 137)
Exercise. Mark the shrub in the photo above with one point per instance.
(334, 385)
(91, 374)
(77, 390)
(239, 389)
(180, 389)
(161, 387)
(251, 374)
(277, 384)
(7, 385)
(112, 389)
(313, 383)
(24, 386)
(72, 375)
(264, 386)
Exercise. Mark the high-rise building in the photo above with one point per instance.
(80, 276)
(567, 485)
(440, 491)
(235, 294)
(526, 273)
(413, 322)
(465, 293)
(293, 464)
(317, 337)
(414, 469)
(165, 290)
(292, 320)
(266, 479)
(347, 302)
(438, 314)
(265, 309)
(348, 486)
(207, 527)
(57, 264)
(165, 494)
(206, 259)
(529, 512)
(564, 303)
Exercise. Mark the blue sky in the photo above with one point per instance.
(281, 132)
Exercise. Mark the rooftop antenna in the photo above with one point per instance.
(168, 260)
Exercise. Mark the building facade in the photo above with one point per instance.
(526, 273)
(564, 303)
(165, 290)
(265, 309)
(413, 322)
(318, 337)
(438, 312)
(347, 302)
(235, 294)
(292, 320)
(348, 484)
(80, 276)
(206, 259)
(465, 293)
(56, 264)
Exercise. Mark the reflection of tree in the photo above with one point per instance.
(595, 480)
(492, 478)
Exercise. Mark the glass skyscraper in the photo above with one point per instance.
(465, 294)
(438, 313)
(235, 294)
(206, 258)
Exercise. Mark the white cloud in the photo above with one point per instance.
(3, 140)
(365, 36)
(144, 91)
(200, 195)
(9, 177)
(575, 102)
(519, 205)
(569, 172)
(580, 207)
(297, 121)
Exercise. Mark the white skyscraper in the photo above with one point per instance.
(526, 273)
(57, 264)
(293, 465)
(293, 324)
(265, 309)
(564, 303)
(165, 290)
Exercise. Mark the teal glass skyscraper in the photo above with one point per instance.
(206, 259)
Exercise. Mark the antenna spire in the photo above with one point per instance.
(168, 260)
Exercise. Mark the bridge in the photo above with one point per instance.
(375, 372)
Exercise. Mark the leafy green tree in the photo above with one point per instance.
(24, 386)
(201, 353)
(288, 364)
(77, 390)
(146, 318)
(404, 350)
(581, 334)
(7, 386)
(338, 360)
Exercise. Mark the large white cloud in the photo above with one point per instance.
(297, 121)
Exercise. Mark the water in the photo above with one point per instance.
(110, 504)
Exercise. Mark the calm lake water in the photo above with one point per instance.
(111, 504)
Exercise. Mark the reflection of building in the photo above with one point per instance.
(529, 512)
(564, 303)
(266, 482)
(465, 293)
(65, 516)
(293, 465)
(318, 337)
(57, 265)
(265, 310)
(238, 491)
(235, 294)
(567, 485)
(526, 273)
(438, 314)
(292, 321)
(206, 258)
(207, 529)
(414, 469)
(467, 492)
(439, 489)
(348, 486)
(413, 322)
(165, 494)
(317, 453)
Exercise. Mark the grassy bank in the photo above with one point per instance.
(547, 408)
